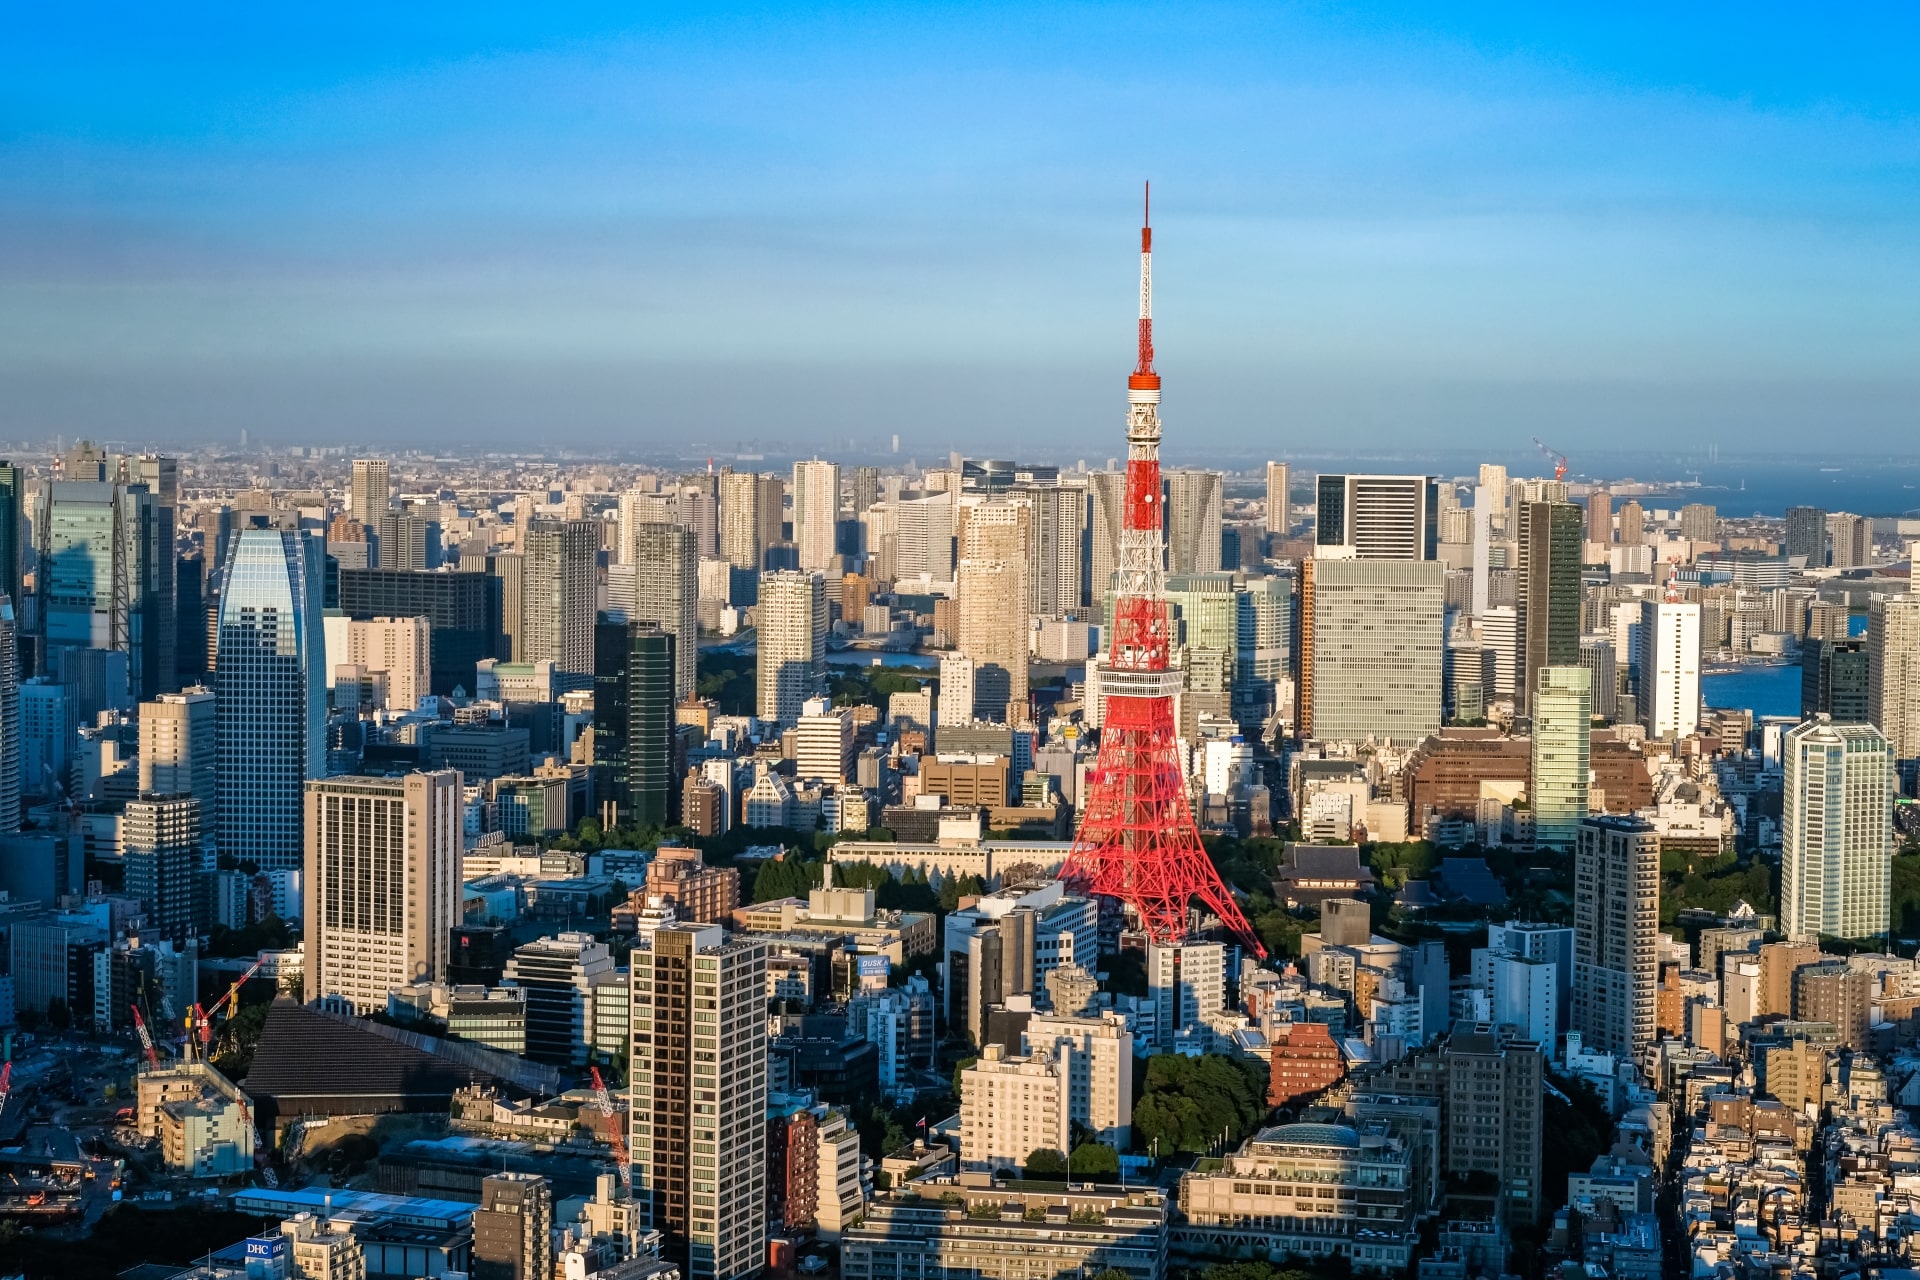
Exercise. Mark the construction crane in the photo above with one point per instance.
(1559, 458)
(146, 1041)
(204, 1018)
(622, 1161)
(6, 1086)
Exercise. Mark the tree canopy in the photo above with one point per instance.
(1193, 1104)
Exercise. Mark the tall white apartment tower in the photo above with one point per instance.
(372, 492)
(1187, 983)
(1668, 667)
(1836, 846)
(1616, 920)
(1278, 477)
(992, 590)
(1893, 673)
(955, 705)
(816, 512)
(382, 883)
(178, 742)
(791, 622)
(698, 1131)
(666, 592)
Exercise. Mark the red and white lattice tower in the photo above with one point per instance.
(1137, 840)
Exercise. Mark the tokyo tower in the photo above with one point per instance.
(1137, 840)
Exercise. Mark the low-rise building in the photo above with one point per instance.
(203, 1122)
(971, 1225)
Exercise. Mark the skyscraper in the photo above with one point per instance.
(1106, 513)
(816, 512)
(1667, 667)
(1379, 517)
(270, 681)
(1195, 502)
(740, 519)
(1835, 680)
(1278, 518)
(382, 883)
(1633, 523)
(667, 593)
(1836, 829)
(12, 483)
(1616, 920)
(1600, 517)
(12, 758)
(1893, 675)
(1548, 589)
(162, 850)
(1562, 749)
(866, 489)
(106, 559)
(1370, 649)
(179, 750)
(633, 725)
(1700, 522)
(992, 592)
(791, 625)
(1056, 548)
(557, 599)
(372, 492)
(1807, 535)
(699, 1087)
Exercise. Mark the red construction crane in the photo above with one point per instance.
(1137, 840)
(623, 1163)
(204, 1018)
(146, 1041)
(6, 1086)
(1559, 458)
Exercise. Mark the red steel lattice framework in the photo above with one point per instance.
(1137, 840)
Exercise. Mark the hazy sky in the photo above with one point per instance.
(649, 226)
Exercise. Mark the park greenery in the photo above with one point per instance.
(1198, 1104)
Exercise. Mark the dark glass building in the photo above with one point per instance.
(454, 603)
(1833, 681)
(633, 722)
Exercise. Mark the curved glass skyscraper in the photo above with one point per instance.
(270, 676)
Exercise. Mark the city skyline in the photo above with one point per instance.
(616, 234)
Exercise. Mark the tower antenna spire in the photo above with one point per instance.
(1137, 840)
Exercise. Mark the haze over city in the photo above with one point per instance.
(794, 225)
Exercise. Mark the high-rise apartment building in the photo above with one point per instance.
(1633, 523)
(382, 883)
(633, 721)
(699, 1088)
(371, 494)
(816, 513)
(1012, 1107)
(1279, 519)
(1616, 920)
(1494, 1115)
(1893, 674)
(1378, 517)
(1562, 747)
(1600, 517)
(1106, 514)
(667, 593)
(397, 656)
(1807, 536)
(1700, 522)
(1370, 649)
(12, 492)
(163, 855)
(179, 749)
(992, 591)
(1056, 548)
(270, 715)
(955, 703)
(1849, 540)
(1836, 831)
(923, 537)
(866, 489)
(1835, 681)
(513, 1229)
(1195, 503)
(1667, 667)
(740, 525)
(1186, 983)
(1095, 1056)
(1548, 589)
(791, 625)
(558, 599)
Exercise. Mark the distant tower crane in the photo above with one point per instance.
(1559, 458)
(623, 1163)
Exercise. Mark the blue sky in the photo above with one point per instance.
(655, 227)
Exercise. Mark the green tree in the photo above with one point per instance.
(788, 876)
(1045, 1162)
(1094, 1160)
(959, 1068)
(1195, 1104)
(958, 887)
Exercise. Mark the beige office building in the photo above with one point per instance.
(382, 883)
(177, 749)
(992, 590)
(397, 654)
(1012, 1107)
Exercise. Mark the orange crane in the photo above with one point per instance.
(204, 1019)
(623, 1163)
(1559, 458)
